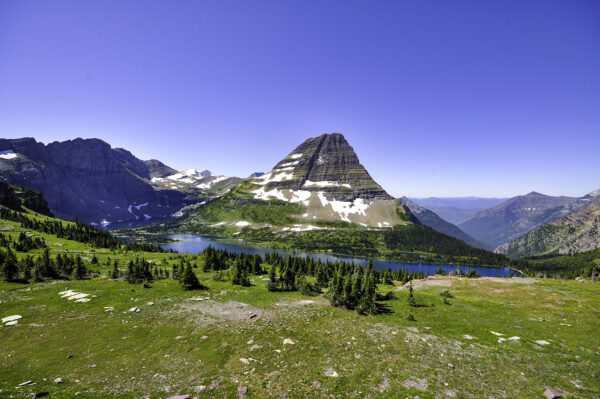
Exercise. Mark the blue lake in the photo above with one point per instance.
(193, 244)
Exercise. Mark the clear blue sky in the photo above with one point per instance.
(438, 98)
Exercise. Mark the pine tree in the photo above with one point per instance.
(80, 271)
(10, 269)
(411, 298)
(272, 285)
(189, 280)
(116, 273)
(367, 302)
(240, 275)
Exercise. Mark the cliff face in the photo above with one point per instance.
(87, 179)
(328, 164)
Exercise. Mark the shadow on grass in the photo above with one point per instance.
(383, 308)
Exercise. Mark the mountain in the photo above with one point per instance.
(320, 198)
(574, 233)
(429, 218)
(321, 180)
(519, 215)
(92, 181)
(15, 198)
(195, 185)
(159, 169)
(457, 209)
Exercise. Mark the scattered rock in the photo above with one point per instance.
(497, 333)
(200, 388)
(179, 397)
(244, 360)
(288, 341)
(134, 309)
(330, 373)
(250, 342)
(40, 394)
(204, 337)
(70, 356)
(417, 383)
(385, 385)
(467, 336)
(552, 394)
(25, 383)
(542, 342)
(179, 337)
(150, 304)
(58, 380)
(450, 365)
(242, 391)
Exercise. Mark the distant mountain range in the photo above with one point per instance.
(457, 209)
(91, 180)
(431, 219)
(519, 215)
(576, 232)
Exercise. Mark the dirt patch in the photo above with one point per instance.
(232, 310)
(447, 281)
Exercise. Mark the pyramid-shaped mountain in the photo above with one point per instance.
(320, 182)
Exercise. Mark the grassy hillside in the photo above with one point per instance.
(229, 339)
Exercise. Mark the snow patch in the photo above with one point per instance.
(343, 208)
(264, 195)
(8, 319)
(301, 196)
(218, 224)
(309, 183)
(295, 156)
(141, 206)
(104, 222)
(147, 217)
(293, 163)
(8, 154)
(242, 223)
(305, 228)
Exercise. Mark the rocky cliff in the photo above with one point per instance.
(87, 179)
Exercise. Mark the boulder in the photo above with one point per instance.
(552, 394)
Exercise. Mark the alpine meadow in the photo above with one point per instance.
(341, 199)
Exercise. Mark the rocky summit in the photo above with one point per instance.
(324, 175)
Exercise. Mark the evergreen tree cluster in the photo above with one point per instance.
(76, 231)
(63, 266)
(350, 286)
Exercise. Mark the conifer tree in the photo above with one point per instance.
(189, 280)
(116, 273)
(272, 285)
(10, 269)
(411, 298)
(80, 271)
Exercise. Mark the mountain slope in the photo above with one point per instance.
(519, 215)
(429, 218)
(92, 181)
(576, 232)
(320, 181)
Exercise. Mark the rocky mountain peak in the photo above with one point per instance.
(327, 164)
